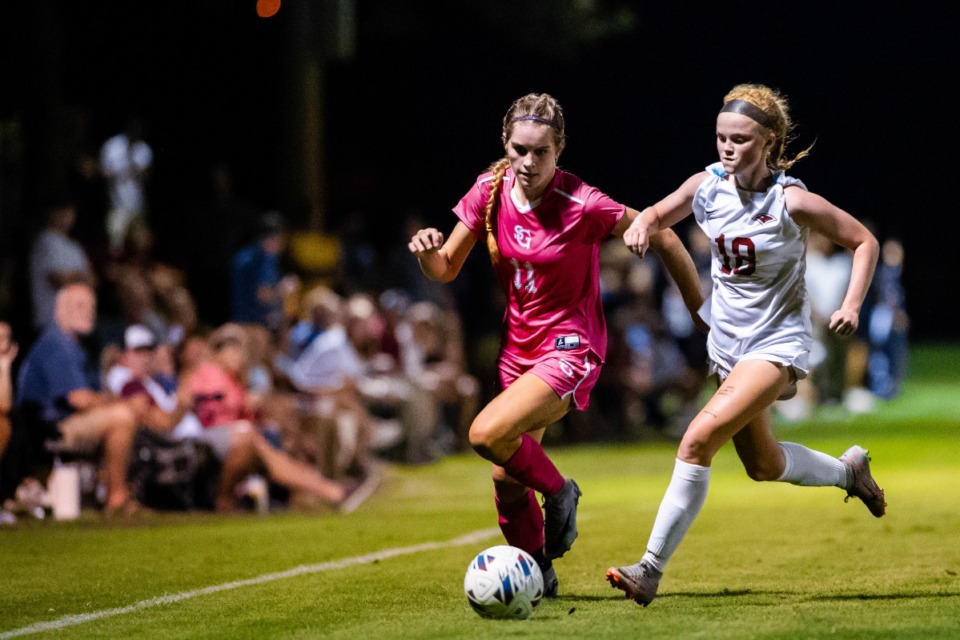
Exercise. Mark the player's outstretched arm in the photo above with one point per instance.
(675, 257)
(666, 213)
(816, 212)
(442, 260)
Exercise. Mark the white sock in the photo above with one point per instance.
(809, 468)
(680, 505)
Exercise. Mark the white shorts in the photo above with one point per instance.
(722, 364)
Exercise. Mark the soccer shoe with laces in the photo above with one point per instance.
(551, 585)
(560, 520)
(638, 581)
(863, 485)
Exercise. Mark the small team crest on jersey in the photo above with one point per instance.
(522, 236)
(566, 343)
(763, 218)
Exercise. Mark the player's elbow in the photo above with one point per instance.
(665, 241)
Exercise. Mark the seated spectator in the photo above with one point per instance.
(319, 364)
(393, 304)
(181, 312)
(260, 376)
(385, 388)
(57, 399)
(216, 390)
(321, 356)
(192, 351)
(433, 357)
(171, 469)
(143, 370)
(174, 302)
(657, 384)
(145, 291)
(8, 353)
(137, 301)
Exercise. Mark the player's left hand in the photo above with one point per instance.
(637, 238)
(844, 322)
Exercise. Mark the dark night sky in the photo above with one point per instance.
(415, 114)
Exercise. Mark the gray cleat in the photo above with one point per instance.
(863, 486)
(638, 581)
(560, 520)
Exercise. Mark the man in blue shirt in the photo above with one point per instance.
(259, 288)
(57, 399)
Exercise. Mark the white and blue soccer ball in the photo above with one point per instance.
(503, 582)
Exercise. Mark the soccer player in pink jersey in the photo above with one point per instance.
(543, 227)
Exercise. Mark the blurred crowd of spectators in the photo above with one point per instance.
(336, 356)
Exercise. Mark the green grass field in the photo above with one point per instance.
(761, 561)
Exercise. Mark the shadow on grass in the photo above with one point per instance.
(726, 593)
(783, 595)
(884, 596)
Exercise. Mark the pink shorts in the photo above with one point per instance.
(566, 372)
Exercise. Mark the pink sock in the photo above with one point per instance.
(521, 522)
(530, 466)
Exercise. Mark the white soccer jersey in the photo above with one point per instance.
(759, 308)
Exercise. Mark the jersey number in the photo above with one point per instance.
(523, 276)
(744, 256)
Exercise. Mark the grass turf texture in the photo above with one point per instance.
(761, 561)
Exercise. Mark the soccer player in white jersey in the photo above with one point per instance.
(757, 219)
(543, 227)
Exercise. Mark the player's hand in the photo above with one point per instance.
(425, 241)
(844, 322)
(637, 238)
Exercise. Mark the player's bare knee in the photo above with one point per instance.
(484, 436)
(695, 451)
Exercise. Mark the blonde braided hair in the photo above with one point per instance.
(499, 168)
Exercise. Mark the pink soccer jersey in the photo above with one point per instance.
(549, 265)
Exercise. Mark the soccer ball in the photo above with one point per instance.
(503, 582)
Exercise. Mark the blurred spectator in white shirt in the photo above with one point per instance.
(125, 160)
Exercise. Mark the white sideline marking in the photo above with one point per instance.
(69, 621)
